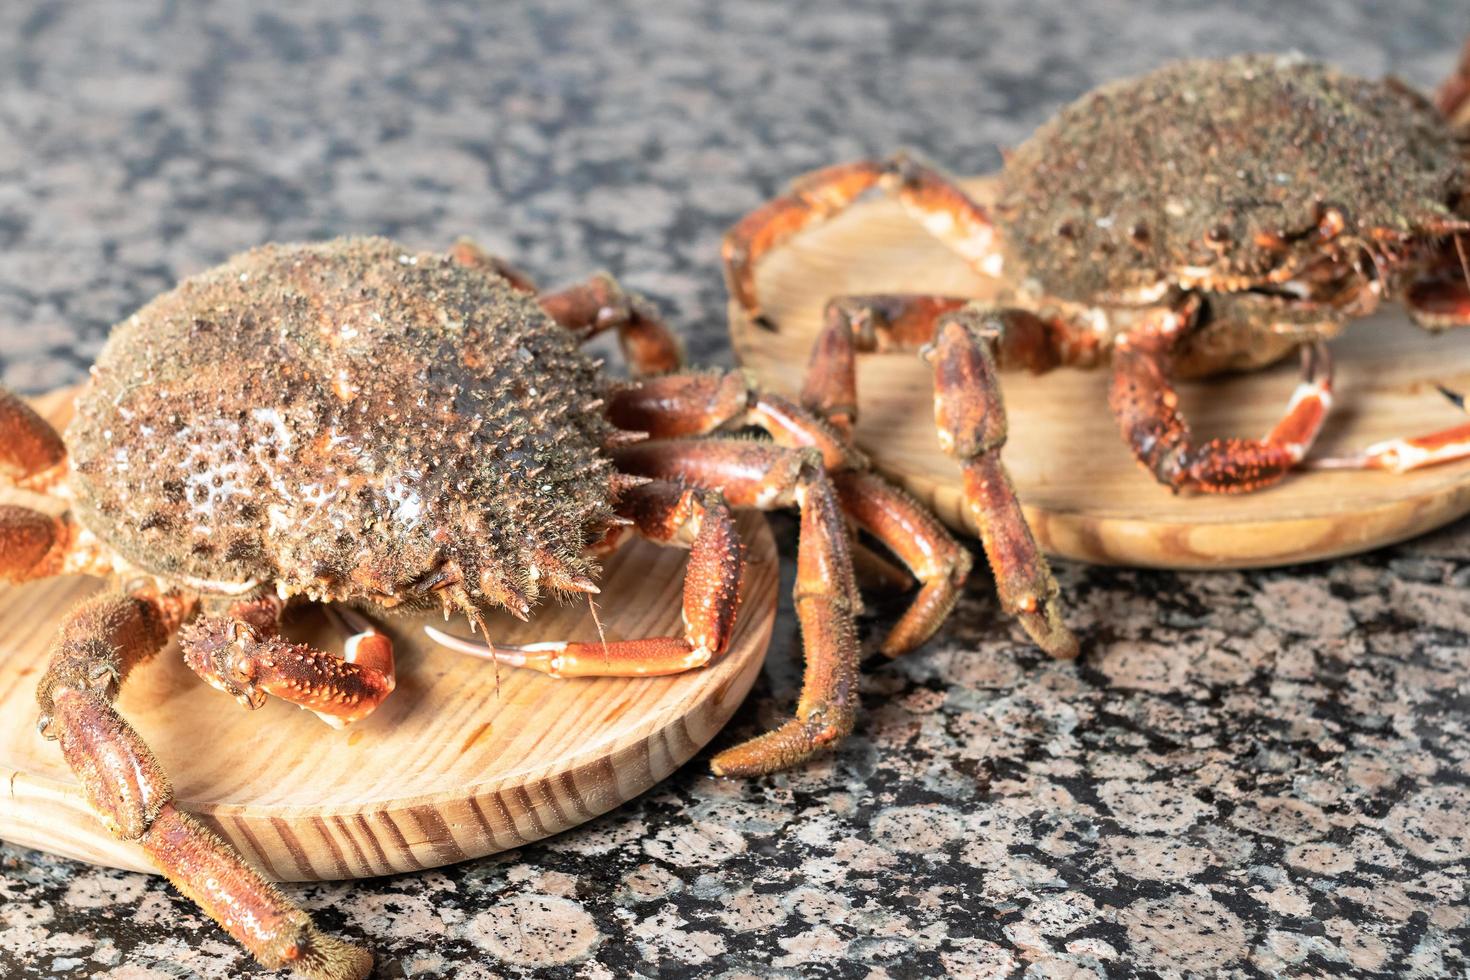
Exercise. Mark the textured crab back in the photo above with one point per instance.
(342, 418)
(1193, 170)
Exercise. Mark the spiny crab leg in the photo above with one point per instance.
(971, 419)
(99, 644)
(671, 515)
(1407, 453)
(600, 304)
(589, 308)
(31, 452)
(1147, 408)
(697, 404)
(931, 198)
(34, 545)
(765, 476)
(972, 427)
(1453, 97)
(243, 654)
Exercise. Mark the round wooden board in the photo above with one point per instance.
(450, 767)
(1084, 495)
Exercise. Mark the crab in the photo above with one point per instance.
(354, 424)
(1213, 215)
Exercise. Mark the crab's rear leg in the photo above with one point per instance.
(599, 304)
(34, 545)
(100, 643)
(1146, 404)
(31, 452)
(1453, 96)
(763, 476)
(592, 307)
(243, 654)
(696, 404)
(668, 514)
(930, 197)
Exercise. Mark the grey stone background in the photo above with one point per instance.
(1259, 773)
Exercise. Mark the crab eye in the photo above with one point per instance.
(1220, 236)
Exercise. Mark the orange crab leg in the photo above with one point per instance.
(1453, 97)
(765, 476)
(30, 449)
(1439, 304)
(242, 654)
(599, 304)
(102, 640)
(685, 405)
(34, 545)
(1407, 453)
(1147, 407)
(668, 514)
(812, 199)
(931, 198)
(466, 253)
(908, 530)
(971, 419)
(902, 322)
(699, 403)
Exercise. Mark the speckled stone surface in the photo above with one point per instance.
(1260, 774)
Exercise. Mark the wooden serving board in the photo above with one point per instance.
(1085, 496)
(453, 766)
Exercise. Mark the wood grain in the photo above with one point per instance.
(1083, 493)
(456, 764)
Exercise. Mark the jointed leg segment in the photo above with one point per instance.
(764, 476)
(930, 197)
(31, 451)
(100, 643)
(1147, 407)
(668, 514)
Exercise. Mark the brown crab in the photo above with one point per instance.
(1212, 215)
(356, 424)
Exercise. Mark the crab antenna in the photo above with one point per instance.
(1464, 265)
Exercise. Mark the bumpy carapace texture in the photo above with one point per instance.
(346, 421)
(1218, 172)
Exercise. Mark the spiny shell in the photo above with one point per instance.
(342, 418)
(1185, 166)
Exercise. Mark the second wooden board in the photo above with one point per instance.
(461, 760)
(1085, 496)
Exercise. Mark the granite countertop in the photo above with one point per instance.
(1263, 773)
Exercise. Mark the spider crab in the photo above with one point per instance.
(355, 424)
(1212, 215)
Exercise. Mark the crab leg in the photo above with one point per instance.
(1147, 407)
(903, 322)
(928, 196)
(1440, 304)
(1453, 97)
(668, 514)
(34, 545)
(696, 404)
(466, 253)
(764, 476)
(589, 308)
(31, 453)
(243, 654)
(100, 643)
(908, 530)
(1407, 453)
(972, 427)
